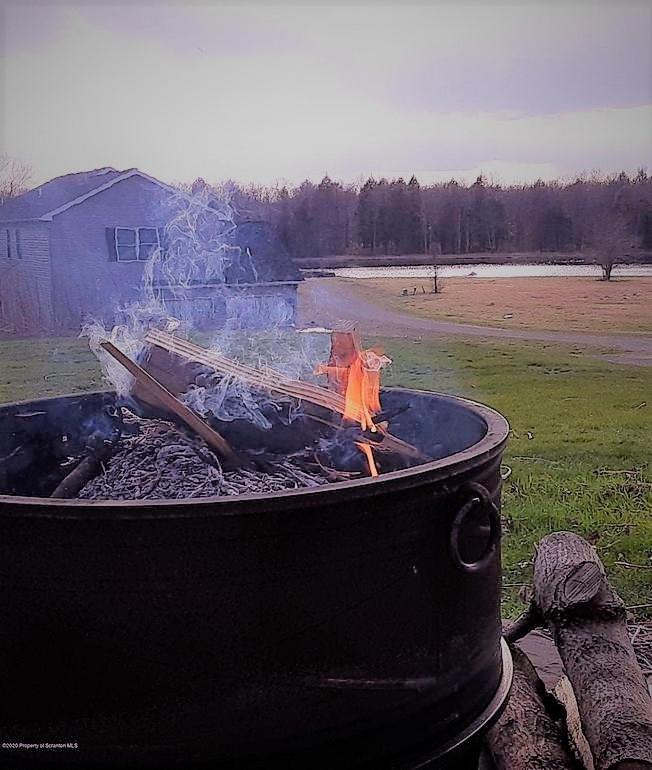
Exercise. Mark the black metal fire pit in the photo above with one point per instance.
(351, 625)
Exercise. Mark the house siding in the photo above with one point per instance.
(87, 283)
(25, 278)
(69, 273)
(250, 306)
(261, 307)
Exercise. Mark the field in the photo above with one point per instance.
(578, 451)
(46, 367)
(577, 304)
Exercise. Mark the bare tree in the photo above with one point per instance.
(611, 237)
(435, 273)
(611, 248)
(14, 176)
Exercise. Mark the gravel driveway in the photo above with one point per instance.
(322, 305)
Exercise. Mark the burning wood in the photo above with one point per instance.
(367, 452)
(355, 374)
(274, 382)
(161, 461)
(265, 379)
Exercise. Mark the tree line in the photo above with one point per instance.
(610, 215)
(392, 217)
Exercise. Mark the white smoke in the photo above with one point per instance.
(183, 283)
(128, 336)
(196, 250)
(246, 312)
(198, 246)
(274, 352)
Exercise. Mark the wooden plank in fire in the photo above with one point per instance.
(171, 402)
(266, 379)
(275, 382)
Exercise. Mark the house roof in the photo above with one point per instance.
(61, 193)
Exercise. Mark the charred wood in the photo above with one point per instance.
(100, 445)
(99, 450)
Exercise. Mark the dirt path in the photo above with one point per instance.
(323, 304)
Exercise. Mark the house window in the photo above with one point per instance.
(148, 242)
(6, 244)
(135, 244)
(19, 252)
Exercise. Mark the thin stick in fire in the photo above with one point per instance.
(172, 403)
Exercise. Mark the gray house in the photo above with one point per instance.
(76, 247)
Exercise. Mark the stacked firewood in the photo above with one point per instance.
(607, 705)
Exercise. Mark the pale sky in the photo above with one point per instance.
(279, 91)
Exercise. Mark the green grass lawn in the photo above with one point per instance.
(46, 367)
(579, 449)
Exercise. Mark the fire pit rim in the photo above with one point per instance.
(489, 446)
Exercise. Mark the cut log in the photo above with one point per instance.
(172, 403)
(565, 696)
(587, 619)
(169, 370)
(526, 736)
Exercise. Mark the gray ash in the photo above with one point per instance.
(161, 461)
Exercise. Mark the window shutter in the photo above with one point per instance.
(162, 240)
(110, 242)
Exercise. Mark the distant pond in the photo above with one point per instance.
(492, 271)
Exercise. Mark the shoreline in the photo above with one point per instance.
(410, 273)
(421, 260)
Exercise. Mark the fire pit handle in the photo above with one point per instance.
(480, 497)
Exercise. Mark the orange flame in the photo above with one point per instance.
(368, 453)
(362, 396)
(355, 374)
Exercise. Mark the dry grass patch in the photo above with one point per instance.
(578, 304)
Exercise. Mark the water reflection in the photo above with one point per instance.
(493, 271)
